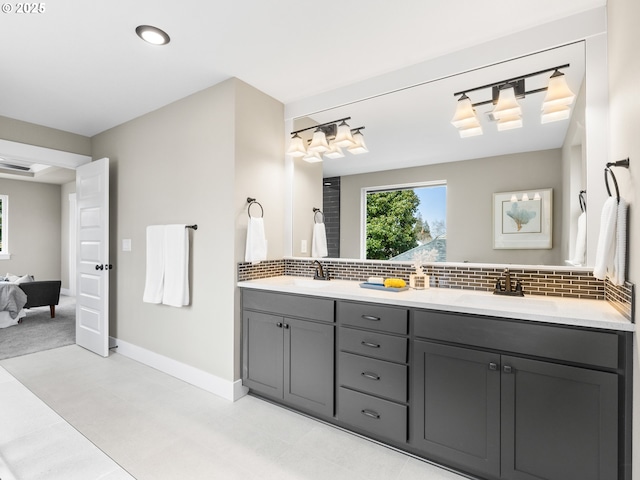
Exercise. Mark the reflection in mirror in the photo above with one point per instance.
(411, 140)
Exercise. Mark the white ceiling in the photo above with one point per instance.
(80, 67)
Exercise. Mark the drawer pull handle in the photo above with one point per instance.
(371, 317)
(371, 414)
(507, 369)
(368, 344)
(370, 375)
(493, 366)
(279, 324)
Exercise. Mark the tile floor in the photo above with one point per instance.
(115, 418)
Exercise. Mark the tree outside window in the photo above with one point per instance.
(404, 221)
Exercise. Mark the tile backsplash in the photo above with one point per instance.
(548, 281)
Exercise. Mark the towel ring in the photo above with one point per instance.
(615, 183)
(620, 163)
(582, 200)
(252, 201)
(317, 211)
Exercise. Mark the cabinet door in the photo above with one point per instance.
(309, 360)
(263, 341)
(558, 422)
(455, 411)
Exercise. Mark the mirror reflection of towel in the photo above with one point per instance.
(581, 240)
(319, 241)
(256, 248)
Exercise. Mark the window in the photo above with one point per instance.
(406, 222)
(4, 226)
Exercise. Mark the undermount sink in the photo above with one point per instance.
(309, 283)
(498, 300)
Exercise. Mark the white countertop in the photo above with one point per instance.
(558, 310)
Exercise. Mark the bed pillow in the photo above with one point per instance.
(25, 279)
(10, 277)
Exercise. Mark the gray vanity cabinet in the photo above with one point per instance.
(477, 407)
(289, 359)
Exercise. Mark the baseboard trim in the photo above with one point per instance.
(231, 391)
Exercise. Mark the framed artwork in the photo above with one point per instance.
(522, 220)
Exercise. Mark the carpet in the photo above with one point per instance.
(38, 331)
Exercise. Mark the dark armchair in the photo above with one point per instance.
(42, 293)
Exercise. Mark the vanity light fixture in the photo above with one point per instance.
(506, 111)
(327, 141)
(152, 35)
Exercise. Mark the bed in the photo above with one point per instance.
(12, 302)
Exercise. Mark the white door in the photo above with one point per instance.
(92, 253)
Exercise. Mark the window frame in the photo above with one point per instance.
(385, 188)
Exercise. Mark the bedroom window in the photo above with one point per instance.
(4, 233)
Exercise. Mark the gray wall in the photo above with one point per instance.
(193, 161)
(34, 229)
(470, 188)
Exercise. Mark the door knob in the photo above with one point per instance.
(99, 267)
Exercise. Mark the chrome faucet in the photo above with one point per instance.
(320, 273)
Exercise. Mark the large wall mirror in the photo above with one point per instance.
(411, 141)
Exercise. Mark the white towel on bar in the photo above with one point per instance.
(256, 247)
(319, 241)
(581, 240)
(618, 273)
(154, 282)
(176, 265)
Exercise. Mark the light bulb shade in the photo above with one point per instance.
(525, 197)
(343, 138)
(296, 147)
(334, 151)
(507, 105)
(319, 142)
(470, 129)
(470, 132)
(558, 92)
(359, 146)
(312, 157)
(509, 123)
(465, 115)
(555, 113)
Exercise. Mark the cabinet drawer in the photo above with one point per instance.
(374, 317)
(562, 343)
(380, 417)
(312, 308)
(373, 376)
(378, 345)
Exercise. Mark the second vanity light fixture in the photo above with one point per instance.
(328, 140)
(507, 112)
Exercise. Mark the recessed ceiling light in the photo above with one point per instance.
(152, 35)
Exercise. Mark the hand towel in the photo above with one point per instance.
(618, 273)
(154, 282)
(319, 241)
(581, 240)
(605, 251)
(176, 266)
(256, 248)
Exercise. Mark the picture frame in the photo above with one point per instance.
(523, 219)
